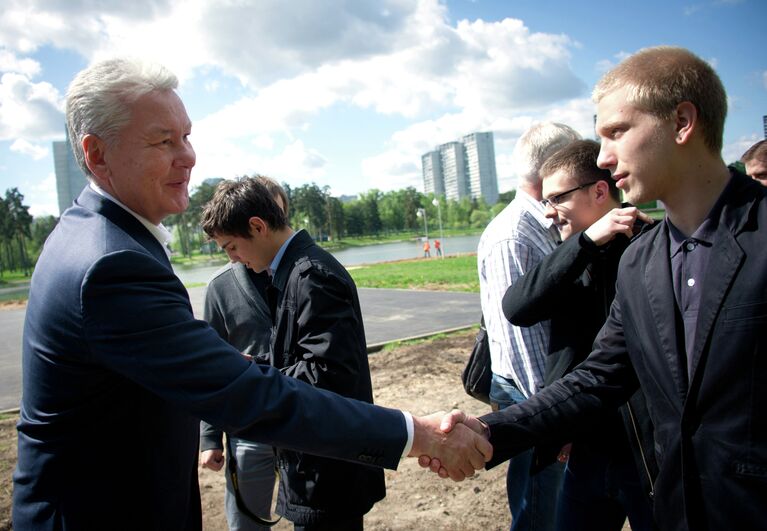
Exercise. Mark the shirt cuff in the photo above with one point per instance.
(409, 426)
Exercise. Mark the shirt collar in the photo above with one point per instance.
(535, 208)
(160, 233)
(704, 234)
(280, 253)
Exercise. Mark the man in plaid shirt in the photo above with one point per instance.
(513, 243)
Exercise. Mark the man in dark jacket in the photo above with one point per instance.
(690, 310)
(318, 337)
(573, 287)
(235, 307)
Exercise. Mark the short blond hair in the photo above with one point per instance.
(658, 79)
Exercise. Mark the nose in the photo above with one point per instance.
(186, 157)
(550, 212)
(606, 158)
(232, 256)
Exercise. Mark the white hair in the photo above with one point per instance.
(99, 98)
(536, 145)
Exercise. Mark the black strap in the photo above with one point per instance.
(236, 488)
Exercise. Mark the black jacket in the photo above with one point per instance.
(319, 338)
(710, 428)
(574, 287)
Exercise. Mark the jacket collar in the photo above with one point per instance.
(295, 249)
(123, 219)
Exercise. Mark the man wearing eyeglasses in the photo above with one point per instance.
(514, 242)
(573, 287)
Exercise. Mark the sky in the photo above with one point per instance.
(350, 93)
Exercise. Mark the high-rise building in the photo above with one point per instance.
(480, 166)
(70, 179)
(452, 158)
(462, 169)
(433, 182)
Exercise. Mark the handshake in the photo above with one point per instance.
(452, 445)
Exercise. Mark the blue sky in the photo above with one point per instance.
(350, 93)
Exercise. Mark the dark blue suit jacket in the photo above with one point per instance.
(117, 373)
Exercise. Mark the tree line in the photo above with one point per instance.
(325, 217)
(371, 214)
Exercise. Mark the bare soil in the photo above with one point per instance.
(421, 378)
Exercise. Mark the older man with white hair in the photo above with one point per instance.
(117, 371)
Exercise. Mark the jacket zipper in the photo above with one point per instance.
(641, 451)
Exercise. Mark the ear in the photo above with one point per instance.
(258, 227)
(94, 151)
(686, 122)
(601, 192)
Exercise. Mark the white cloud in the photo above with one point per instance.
(734, 150)
(605, 65)
(29, 110)
(10, 63)
(29, 149)
(400, 57)
(43, 201)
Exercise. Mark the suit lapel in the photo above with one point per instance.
(124, 220)
(660, 293)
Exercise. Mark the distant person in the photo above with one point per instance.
(438, 247)
(235, 306)
(573, 287)
(426, 249)
(687, 325)
(755, 160)
(514, 242)
(117, 372)
(318, 338)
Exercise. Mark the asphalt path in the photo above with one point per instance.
(389, 315)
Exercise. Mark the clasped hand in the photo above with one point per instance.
(452, 445)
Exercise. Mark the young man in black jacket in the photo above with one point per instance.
(573, 287)
(318, 337)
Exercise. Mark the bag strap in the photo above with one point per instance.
(236, 488)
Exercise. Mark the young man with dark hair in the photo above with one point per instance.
(318, 337)
(235, 307)
(573, 287)
(688, 319)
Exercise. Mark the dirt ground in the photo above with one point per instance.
(421, 378)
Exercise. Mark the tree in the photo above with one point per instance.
(41, 229)
(18, 231)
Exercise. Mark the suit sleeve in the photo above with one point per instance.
(604, 381)
(330, 335)
(137, 322)
(532, 298)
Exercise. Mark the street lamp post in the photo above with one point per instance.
(421, 213)
(435, 202)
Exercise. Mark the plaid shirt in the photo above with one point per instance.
(514, 242)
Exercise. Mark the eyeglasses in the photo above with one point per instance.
(554, 200)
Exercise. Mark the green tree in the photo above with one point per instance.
(309, 202)
(354, 218)
(371, 216)
(19, 227)
(41, 228)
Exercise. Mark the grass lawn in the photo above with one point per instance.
(454, 273)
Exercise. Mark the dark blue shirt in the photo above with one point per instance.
(689, 260)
